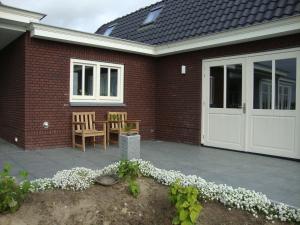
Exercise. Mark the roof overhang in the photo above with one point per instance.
(88, 39)
(14, 22)
(277, 28)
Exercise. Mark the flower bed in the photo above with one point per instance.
(256, 203)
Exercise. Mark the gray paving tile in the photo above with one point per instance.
(277, 178)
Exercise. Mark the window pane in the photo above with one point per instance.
(113, 82)
(108, 31)
(103, 82)
(77, 80)
(216, 86)
(152, 16)
(234, 86)
(262, 93)
(88, 80)
(285, 84)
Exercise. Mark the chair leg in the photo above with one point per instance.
(94, 142)
(83, 143)
(108, 137)
(104, 142)
(73, 139)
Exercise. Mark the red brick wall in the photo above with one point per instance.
(179, 96)
(155, 91)
(12, 91)
(47, 90)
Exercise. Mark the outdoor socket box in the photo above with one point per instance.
(46, 125)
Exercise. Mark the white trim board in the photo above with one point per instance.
(19, 15)
(47, 32)
(277, 28)
(252, 54)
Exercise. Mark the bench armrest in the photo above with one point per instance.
(78, 123)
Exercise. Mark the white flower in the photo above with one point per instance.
(254, 202)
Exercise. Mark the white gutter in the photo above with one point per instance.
(277, 28)
(19, 15)
(88, 39)
(12, 18)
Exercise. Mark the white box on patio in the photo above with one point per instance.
(130, 146)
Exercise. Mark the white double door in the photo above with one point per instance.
(251, 103)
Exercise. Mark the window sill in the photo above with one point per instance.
(97, 104)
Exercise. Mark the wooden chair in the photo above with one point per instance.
(84, 125)
(117, 122)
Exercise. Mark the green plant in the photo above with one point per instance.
(12, 193)
(129, 171)
(185, 199)
(127, 128)
(134, 188)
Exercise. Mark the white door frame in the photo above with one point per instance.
(232, 113)
(248, 88)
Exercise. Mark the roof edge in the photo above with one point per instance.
(277, 28)
(20, 15)
(59, 34)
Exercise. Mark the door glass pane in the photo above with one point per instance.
(262, 92)
(234, 86)
(103, 82)
(216, 86)
(113, 82)
(88, 80)
(285, 84)
(77, 80)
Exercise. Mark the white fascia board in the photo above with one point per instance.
(12, 26)
(19, 15)
(88, 39)
(277, 28)
(256, 32)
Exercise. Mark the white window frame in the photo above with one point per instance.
(96, 98)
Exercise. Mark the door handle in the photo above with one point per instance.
(244, 108)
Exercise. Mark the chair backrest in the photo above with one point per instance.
(84, 117)
(119, 118)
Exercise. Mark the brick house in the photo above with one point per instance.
(218, 73)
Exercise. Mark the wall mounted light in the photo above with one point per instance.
(183, 69)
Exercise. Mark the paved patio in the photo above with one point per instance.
(278, 178)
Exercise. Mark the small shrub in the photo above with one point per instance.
(129, 171)
(134, 188)
(12, 193)
(185, 199)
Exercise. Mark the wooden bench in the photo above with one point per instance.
(117, 123)
(84, 125)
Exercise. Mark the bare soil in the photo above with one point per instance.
(113, 205)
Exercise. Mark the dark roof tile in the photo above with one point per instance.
(297, 7)
(288, 10)
(183, 19)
